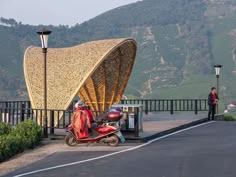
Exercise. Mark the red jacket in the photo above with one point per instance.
(87, 112)
(81, 121)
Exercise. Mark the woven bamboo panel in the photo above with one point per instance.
(96, 71)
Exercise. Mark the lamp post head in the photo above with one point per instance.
(44, 37)
(217, 68)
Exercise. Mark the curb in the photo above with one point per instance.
(165, 132)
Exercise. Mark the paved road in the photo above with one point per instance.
(206, 151)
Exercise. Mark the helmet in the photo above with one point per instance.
(115, 109)
(118, 109)
(79, 103)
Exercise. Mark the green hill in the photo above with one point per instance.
(179, 41)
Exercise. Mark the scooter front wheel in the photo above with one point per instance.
(114, 141)
(70, 140)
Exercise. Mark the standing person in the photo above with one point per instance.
(212, 102)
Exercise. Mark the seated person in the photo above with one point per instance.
(82, 120)
(81, 106)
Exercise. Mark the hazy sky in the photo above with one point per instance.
(55, 12)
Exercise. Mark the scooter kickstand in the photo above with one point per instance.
(89, 143)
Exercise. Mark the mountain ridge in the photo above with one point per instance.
(179, 41)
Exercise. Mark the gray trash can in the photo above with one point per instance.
(128, 120)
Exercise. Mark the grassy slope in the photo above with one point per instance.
(222, 44)
(169, 45)
(166, 44)
(197, 86)
(10, 52)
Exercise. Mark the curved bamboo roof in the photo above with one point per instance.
(96, 71)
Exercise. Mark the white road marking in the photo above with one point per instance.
(111, 154)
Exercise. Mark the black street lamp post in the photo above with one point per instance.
(217, 68)
(44, 40)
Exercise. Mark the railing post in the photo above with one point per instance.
(1, 117)
(51, 122)
(64, 119)
(136, 122)
(196, 106)
(146, 106)
(6, 115)
(200, 109)
(28, 109)
(69, 117)
(171, 106)
(22, 112)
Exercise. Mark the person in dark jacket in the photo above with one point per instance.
(212, 102)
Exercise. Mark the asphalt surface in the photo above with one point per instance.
(205, 151)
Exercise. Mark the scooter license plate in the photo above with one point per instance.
(122, 138)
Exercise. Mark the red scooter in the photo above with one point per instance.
(106, 131)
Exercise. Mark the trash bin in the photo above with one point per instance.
(128, 120)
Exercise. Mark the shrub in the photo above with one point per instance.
(26, 135)
(4, 128)
(29, 132)
(229, 118)
(9, 146)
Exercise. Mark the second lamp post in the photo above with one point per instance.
(44, 40)
(217, 68)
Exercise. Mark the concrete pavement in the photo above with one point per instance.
(155, 125)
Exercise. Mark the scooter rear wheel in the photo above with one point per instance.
(114, 141)
(70, 140)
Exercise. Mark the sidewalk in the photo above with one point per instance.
(156, 125)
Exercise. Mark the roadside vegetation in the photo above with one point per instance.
(230, 116)
(14, 140)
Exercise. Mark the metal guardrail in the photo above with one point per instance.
(14, 116)
(14, 112)
(57, 119)
(149, 105)
(170, 105)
